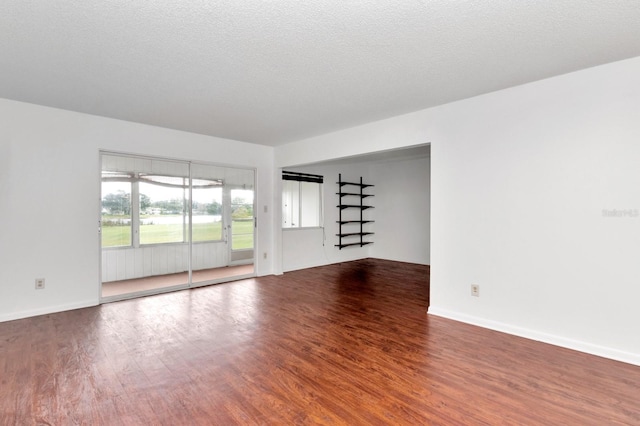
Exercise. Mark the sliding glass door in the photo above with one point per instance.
(211, 237)
(165, 224)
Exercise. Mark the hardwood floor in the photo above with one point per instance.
(343, 344)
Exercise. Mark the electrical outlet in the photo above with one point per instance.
(475, 290)
(39, 283)
(264, 255)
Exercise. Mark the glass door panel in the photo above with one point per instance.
(116, 210)
(144, 225)
(209, 255)
(242, 221)
(164, 215)
(213, 218)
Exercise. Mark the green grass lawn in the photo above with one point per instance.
(242, 234)
(116, 236)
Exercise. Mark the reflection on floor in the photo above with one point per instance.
(117, 288)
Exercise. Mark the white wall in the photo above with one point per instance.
(399, 132)
(402, 210)
(521, 178)
(124, 263)
(49, 195)
(519, 181)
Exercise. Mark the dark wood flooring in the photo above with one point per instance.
(345, 344)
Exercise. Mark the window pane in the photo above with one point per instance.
(163, 217)
(310, 204)
(301, 204)
(290, 203)
(207, 214)
(242, 219)
(116, 213)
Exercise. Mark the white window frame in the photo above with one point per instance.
(134, 223)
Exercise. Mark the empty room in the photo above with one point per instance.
(323, 212)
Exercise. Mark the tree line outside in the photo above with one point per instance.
(119, 203)
(116, 221)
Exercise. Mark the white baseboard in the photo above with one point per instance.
(564, 342)
(48, 310)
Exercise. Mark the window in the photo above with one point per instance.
(301, 200)
(116, 209)
(207, 210)
(241, 219)
(163, 209)
(142, 208)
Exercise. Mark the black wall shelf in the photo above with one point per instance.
(354, 206)
(346, 225)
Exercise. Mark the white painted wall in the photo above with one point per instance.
(519, 181)
(49, 198)
(521, 178)
(394, 133)
(402, 210)
(124, 263)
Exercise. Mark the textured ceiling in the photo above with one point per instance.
(272, 72)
